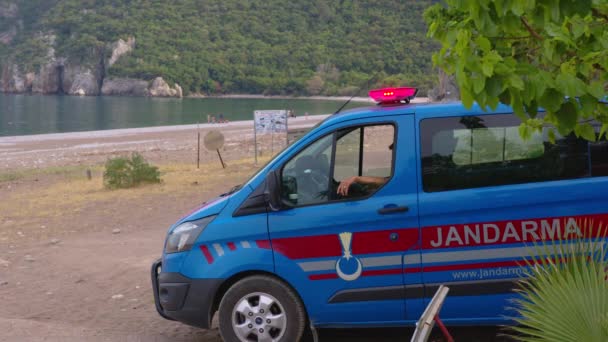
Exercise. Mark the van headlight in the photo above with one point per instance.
(183, 236)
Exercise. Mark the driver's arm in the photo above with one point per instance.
(345, 184)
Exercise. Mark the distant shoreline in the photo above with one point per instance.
(287, 97)
(299, 122)
(280, 97)
(239, 96)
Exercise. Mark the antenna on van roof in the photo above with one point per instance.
(356, 92)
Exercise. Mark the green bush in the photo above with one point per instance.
(123, 172)
(565, 297)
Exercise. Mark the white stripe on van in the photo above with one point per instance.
(245, 244)
(479, 254)
(326, 265)
(435, 257)
(317, 265)
(218, 249)
(381, 261)
(412, 259)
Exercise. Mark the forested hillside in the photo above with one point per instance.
(303, 47)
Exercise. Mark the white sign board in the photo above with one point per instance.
(270, 121)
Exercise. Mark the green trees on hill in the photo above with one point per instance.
(259, 46)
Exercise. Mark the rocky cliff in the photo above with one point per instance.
(119, 49)
(8, 31)
(62, 78)
(8, 10)
(62, 75)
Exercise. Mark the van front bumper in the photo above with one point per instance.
(183, 299)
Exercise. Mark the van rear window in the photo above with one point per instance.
(487, 145)
(471, 152)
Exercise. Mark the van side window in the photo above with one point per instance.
(366, 154)
(599, 157)
(471, 152)
(305, 178)
(361, 151)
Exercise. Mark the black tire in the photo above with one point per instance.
(289, 301)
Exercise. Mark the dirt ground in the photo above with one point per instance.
(75, 258)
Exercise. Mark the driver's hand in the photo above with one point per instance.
(345, 185)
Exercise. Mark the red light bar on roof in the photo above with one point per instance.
(393, 95)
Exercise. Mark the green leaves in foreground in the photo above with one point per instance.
(551, 54)
(565, 297)
(126, 173)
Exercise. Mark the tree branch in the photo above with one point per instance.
(510, 38)
(598, 14)
(530, 29)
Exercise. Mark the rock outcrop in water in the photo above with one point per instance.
(162, 89)
(79, 80)
(134, 87)
(47, 80)
(124, 87)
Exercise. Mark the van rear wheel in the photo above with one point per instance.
(261, 309)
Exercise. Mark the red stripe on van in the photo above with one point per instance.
(263, 244)
(369, 273)
(318, 246)
(231, 246)
(381, 272)
(207, 254)
(380, 242)
(323, 276)
(322, 246)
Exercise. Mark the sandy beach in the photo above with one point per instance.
(164, 144)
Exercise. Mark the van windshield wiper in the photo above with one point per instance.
(232, 190)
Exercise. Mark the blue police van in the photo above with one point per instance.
(357, 223)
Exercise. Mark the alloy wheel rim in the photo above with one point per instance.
(259, 317)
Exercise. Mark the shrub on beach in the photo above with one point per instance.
(124, 172)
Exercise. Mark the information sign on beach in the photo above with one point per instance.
(269, 122)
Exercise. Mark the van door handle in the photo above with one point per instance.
(393, 210)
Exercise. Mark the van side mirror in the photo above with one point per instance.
(272, 192)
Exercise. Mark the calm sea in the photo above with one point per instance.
(36, 114)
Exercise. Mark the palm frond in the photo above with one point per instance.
(565, 294)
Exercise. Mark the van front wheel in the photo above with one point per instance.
(261, 308)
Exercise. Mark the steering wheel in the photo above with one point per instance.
(319, 179)
(312, 185)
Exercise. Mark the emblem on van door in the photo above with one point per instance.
(347, 261)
